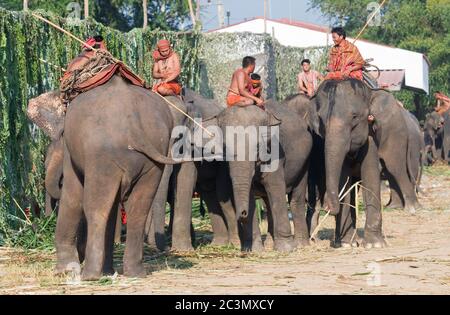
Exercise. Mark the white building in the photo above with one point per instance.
(400, 68)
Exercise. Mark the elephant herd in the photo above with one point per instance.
(116, 151)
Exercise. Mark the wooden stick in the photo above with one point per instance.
(62, 30)
(185, 114)
(45, 61)
(369, 20)
(90, 47)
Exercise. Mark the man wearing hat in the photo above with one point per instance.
(166, 69)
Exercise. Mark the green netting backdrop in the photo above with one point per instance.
(208, 61)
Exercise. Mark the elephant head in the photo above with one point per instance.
(47, 111)
(240, 126)
(338, 114)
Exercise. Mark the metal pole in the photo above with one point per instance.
(265, 16)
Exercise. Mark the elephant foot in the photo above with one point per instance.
(412, 208)
(182, 247)
(63, 268)
(373, 241)
(284, 245)
(90, 275)
(350, 240)
(108, 270)
(257, 246)
(219, 241)
(135, 271)
(301, 242)
(394, 205)
(268, 243)
(236, 242)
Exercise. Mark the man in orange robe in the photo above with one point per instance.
(166, 69)
(443, 103)
(345, 59)
(239, 92)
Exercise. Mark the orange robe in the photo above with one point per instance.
(342, 57)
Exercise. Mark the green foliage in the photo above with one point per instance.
(34, 233)
(124, 15)
(416, 25)
(23, 41)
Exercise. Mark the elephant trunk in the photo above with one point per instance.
(241, 174)
(336, 148)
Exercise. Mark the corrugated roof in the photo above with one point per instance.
(390, 79)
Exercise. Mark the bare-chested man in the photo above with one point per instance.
(166, 69)
(239, 92)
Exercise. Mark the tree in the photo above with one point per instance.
(417, 25)
(123, 15)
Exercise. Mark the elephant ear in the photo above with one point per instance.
(312, 118)
(382, 105)
(47, 111)
(273, 120)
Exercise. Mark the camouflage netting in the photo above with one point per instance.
(208, 61)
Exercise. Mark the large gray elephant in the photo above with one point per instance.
(400, 148)
(288, 175)
(210, 179)
(116, 139)
(339, 115)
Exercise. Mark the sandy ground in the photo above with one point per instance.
(417, 261)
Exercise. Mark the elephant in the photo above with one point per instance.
(400, 148)
(211, 180)
(338, 114)
(116, 140)
(446, 137)
(433, 136)
(284, 174)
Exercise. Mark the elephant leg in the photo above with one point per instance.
(249, 229)
(225, 196)
(219, 227)
(113, 228)
(100, 205)
(346, 222)
(398, 169)
(138, 205)
(395, 200)
(68, 221)
(297, 203)
(268, 243)
(181, 233)
(156, 219)
(370, 177)
(276, 193)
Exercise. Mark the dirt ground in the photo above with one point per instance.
(417, 261)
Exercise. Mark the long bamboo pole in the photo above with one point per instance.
(191, 11)
(79, 40)
(369, 20)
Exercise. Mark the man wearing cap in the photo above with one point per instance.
(166, 69)
(87, 53)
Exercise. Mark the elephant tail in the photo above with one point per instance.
(150, 151)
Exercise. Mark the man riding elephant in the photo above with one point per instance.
(345, 59)
(239, 91)
(166, 69)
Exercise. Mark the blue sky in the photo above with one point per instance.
(242, 9)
